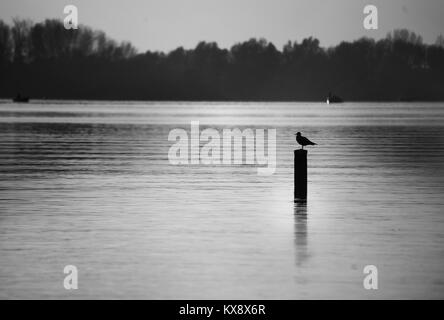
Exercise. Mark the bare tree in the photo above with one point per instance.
(21, 38)
(5, 43)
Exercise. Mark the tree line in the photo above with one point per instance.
(46, 61)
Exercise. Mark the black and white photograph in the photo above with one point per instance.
(229, 150)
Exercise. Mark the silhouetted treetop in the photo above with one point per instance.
(27, 42)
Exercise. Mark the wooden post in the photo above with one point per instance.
(300, 174)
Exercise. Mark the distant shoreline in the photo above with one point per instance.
(88, 65)
(4, 100)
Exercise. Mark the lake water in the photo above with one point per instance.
(89, 184)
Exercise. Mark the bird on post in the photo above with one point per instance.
(303, 141)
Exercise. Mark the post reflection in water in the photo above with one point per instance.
(300, 230)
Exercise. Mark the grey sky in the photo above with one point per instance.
(167, 24)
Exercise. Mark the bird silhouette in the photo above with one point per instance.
(303, 141)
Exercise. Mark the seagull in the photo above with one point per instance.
(303, 141)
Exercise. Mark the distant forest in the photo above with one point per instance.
(45, 61)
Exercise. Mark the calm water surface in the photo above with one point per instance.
(89, 184)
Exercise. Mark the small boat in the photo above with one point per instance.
(18, 98)
(331, 98)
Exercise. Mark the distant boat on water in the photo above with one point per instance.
(331, 98)
(21, 99)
